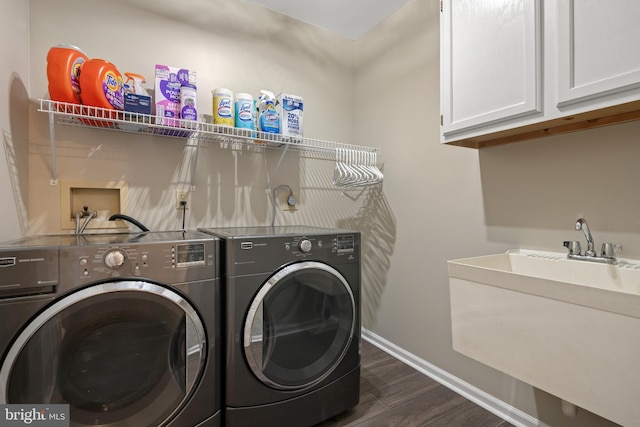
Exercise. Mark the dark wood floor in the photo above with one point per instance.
(395, 395)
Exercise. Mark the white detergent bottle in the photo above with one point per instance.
(268, 119)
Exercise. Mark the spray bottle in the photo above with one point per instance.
(268, 119)
(136, 100)
(136, 97)
(134, 84)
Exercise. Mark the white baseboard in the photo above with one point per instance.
(474, 394)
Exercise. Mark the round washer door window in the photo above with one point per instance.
(299, 326)
(119, 353)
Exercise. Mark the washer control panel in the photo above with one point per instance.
(345, 244)
(188, 255)
(28, 271)
(305, 245)
(113, 259)
(169, 262)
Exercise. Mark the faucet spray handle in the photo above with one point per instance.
(573, 246)
(581, 224)
(609, 250)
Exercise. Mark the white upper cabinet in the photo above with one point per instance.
(520, 69)
(491, 66)
(598, 49)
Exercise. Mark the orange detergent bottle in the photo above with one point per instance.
(64, 63)
(101, 85)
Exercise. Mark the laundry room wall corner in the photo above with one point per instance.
(14, 114)
(376, 221)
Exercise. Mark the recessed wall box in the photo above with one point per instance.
(104, 198)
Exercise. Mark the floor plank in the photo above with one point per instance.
(393, 394)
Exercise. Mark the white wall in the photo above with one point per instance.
(14, 112)
(443, 202)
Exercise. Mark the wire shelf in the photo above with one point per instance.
(101, 118)
(355, 164)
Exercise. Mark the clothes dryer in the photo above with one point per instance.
(124, 328)
(292, 333)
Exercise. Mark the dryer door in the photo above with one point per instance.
(121, 353)
(299, 326)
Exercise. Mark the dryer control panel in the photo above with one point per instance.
(341, 244)
(247, 255)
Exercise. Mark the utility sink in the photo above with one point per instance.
(571, 328)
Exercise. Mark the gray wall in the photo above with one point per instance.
(443, 202)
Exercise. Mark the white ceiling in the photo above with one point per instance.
(349, 18)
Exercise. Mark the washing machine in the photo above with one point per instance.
(292, 328)
(122, 328)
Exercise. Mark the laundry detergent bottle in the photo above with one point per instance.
(101, 85)
(64, 63)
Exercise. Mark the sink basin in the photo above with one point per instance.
(549, 274)
(571, 328)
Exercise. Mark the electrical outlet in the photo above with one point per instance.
(182, 196)
(289, 203)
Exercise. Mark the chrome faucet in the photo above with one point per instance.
(88, 217)
(581, 224)
(608, 252)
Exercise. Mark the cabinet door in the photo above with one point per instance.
(490, 63)
(598, 52)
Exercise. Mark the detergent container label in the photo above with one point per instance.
(75, 76)
(244, 111)
(223, 108)
(188, 102)
(113, 86)
(168, 82)
(169, 107)
(170, 91)
(292, 121)
(270, 122)
(290, 109)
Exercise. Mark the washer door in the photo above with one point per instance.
(299, 326)
(123, 353)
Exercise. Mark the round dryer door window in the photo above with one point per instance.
(119, 353)
(299, 325)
